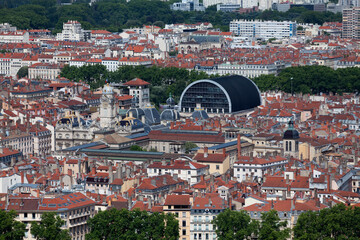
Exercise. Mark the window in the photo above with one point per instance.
(184, 223)
(33, 215)
(25, 215)
(184, 232)
(217, 167)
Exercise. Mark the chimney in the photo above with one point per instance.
(328, 182)
(37, 193)
(239, 146)
(93, 171)
(22, 176)
(111, 174)
(293, 203)
(224, 152)
(205, 152)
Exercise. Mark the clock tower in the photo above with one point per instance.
(107, 107)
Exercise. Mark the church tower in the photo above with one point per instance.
(291, 141)
(107, 107)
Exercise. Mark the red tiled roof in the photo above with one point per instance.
(136, 82)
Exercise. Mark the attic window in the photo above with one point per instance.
(52, 205)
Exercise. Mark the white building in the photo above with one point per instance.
(8, 179)
(208, 3)
(72, 31)
(247, 70)
(107, 107)
(263, 29)
(188, 5)
(14, 37)
(183, 168)
(203, 211)
(253, 167)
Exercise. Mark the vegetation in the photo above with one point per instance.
(10, 229)
(23, 72)
(137, 148)
(233, 225)
(338, 222)
(163, 80)
(189, 146)
(49, 228)
(132, 225)
(115, 15)
(312, 79)
(271, 228)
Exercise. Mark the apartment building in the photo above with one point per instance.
(263, 29)
(75, 209)
(351, 23)
(180, 206)
(44, 71)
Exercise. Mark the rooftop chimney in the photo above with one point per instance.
(205, 152)
(239, 146)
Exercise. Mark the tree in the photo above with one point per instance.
(49, 228)
(23, 72)
(271, 228)
(132, 225)
(10, 229)
(338, 222)
(189, 146)
(234, 225)
(137, 148)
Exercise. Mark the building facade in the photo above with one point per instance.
(263, 29)
(351, 23)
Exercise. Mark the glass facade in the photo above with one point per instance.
(211, 97)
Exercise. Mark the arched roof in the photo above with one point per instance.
(241, 92)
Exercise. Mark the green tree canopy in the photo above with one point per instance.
(49, 228)
(23, 72)
(132, 225)
(338, 222)
(271, 228)
(10, 229)
(234, 225)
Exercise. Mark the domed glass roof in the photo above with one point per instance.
(152, 116)
(169, 115)
(135, 112)
(199, 114)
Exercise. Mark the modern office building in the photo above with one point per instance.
(351, 23)
(263, 29)
(230, 94)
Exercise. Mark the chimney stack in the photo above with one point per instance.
(205, 152)
(239, 146)
(22, 176)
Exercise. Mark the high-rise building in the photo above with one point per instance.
(351, 23)
(263, 29)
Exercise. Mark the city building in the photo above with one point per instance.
(75, 209)
(351, 23)
(230, 94)
(139, 90)
(203, 212)
(185, 169)
(263, 29)
(180, 206)
(188, 5)
(72, 31)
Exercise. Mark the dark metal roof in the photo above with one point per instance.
(243, 92)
